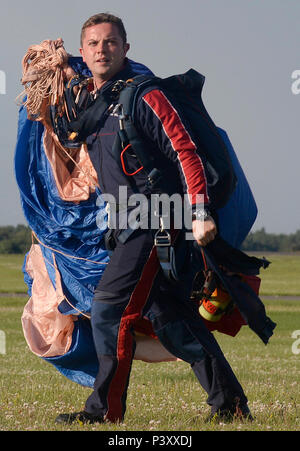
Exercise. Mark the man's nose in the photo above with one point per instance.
(101, 47)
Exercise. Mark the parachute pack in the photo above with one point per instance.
(185, 90)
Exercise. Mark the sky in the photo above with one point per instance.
(248, 51)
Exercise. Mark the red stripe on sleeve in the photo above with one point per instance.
(182, 143)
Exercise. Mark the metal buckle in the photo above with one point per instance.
(162, 240)
(117, 87)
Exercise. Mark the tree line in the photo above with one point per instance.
(263, 241)
(17, 240)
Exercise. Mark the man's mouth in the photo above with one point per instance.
(102, 60)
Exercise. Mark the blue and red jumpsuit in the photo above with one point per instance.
(133, 285)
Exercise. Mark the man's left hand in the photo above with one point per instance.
(204, 231)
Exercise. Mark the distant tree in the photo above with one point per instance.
(295, 241)
(15, 240)
(260, 240)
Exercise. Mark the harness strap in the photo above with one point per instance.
(128, 133)
(88, 120)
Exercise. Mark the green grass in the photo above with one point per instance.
(282, 278)
(11, 276)
(164, 396)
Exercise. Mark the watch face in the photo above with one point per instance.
(201, 214)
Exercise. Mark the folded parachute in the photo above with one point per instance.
(62, 205)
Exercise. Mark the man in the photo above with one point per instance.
(133, 284)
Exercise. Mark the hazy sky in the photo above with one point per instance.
(247, 50)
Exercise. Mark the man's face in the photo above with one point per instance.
(103, 50)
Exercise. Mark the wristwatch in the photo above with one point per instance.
(201, 214)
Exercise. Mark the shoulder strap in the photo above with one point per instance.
(130, 93)
(128, 133)
(88, 120)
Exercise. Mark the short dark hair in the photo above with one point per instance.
(102, 18)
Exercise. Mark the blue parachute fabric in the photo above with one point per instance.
(237, 217)
(65, 228)
(69, 237)
(27, 279)
(72, 240)
(70, 229)
(80, 363)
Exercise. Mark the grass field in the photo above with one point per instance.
(11, 276)
(165, 396)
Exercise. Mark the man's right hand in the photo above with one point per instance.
(68, 72)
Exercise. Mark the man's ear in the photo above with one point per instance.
(82, 54)
(126, 48)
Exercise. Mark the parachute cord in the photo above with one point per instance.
(44, 82)
(88, 176)
(56, 269)
(63, 253)
(43, 75)
(75, 308)
(204, 260)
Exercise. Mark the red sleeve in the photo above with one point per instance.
(169, 132)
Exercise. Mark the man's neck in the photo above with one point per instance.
(99, 82)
